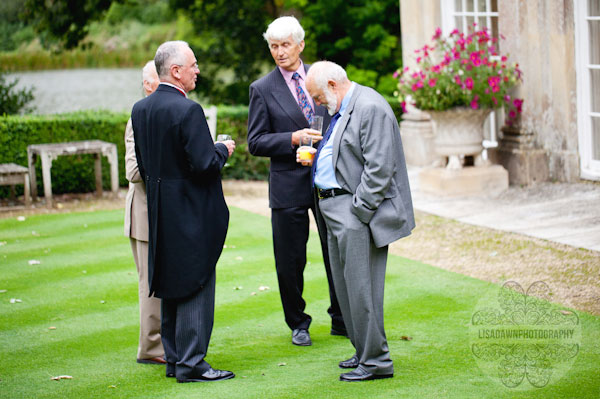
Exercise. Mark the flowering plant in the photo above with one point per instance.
(469, 72)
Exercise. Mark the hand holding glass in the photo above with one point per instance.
(306, 153)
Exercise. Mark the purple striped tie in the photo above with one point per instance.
(302, 100)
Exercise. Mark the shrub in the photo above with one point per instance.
(13, 101)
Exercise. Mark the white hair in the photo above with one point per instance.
(323, 71)
(284, 27)
(167, 54)
(149, 72)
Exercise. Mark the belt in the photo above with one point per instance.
(330, 192)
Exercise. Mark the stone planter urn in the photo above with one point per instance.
(459, 132)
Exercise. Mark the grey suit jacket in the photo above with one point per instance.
(369, 162)
(136, 208)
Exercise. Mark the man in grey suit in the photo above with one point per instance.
(364, 196)
(279, 114)
(150, 349)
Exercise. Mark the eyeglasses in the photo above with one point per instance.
(193, 66)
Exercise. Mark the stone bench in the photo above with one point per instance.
(12, 174)
(49, 152)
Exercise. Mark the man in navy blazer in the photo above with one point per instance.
(278, 116)
(187, 213)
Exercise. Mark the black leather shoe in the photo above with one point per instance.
(171, 370)
(351, 363)
(210, 375)
(301, 337)
(339, 331)
(361, 374)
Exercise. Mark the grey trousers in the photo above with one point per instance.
(187, 325)
(358, 269)
(150, 344)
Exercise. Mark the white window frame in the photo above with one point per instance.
(449, 15)
(590, 168)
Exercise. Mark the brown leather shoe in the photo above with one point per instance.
(153, 360)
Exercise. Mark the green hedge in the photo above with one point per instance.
(76, 173)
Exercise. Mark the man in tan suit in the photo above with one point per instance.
(150, 349)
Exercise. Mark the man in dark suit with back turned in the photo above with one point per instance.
(279, 114)
(187, 214)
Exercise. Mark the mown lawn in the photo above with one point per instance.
(78, 317)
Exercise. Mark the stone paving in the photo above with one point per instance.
(567, 213)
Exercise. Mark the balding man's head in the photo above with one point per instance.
(327, 84)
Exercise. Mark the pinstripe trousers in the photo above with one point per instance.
(186, 327)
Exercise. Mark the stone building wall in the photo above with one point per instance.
(540, 36)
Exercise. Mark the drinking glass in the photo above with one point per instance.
(317, 123)
(306, 152)
(223, 137)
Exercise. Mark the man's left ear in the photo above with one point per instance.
(301, 45)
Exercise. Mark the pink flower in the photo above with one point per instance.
(518, 103)
(512, 114)
(454, 32)
(419, 84)
(457, 80)
(507, 98)
(469, 83)
(395, 75)
(494, 100)
(474, 103)
(432, 82)
(403, 105)
(436, 68)
(438, 33)
(494, 83)
(414, 87)
(418, 60)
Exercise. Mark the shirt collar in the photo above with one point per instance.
(178, 88)
(346, 99)
(287, 75)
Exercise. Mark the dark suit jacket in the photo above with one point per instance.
(273, 115)
(187, 214)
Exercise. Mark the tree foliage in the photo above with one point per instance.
(13, 101)
(362, 36)
(64, 22)
(228, 35)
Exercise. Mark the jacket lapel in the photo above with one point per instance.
(343, 123)
(282, 95)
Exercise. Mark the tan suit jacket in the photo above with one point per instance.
(136, 209)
